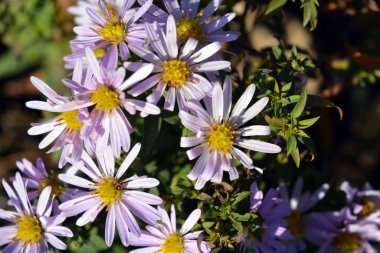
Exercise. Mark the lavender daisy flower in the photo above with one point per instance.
(80, 10)
(104, 88)
(164, 238)
(107, 190)
(33, 227)
(192, 23)
(38, 179)
(340, 232)
(113, 30)
(68, 130)
(362, 202)
(273, 232)
(218, 132)
(177, 68)
(300, 203)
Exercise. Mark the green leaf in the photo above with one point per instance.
(310, 13)
(296, 156)
(300, 106)
(278, 54)
(291, 144)
(274, 5)
(246, 217)
(239, 197)
(308, 122)
(273, 122)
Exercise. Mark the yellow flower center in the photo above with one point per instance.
(105, 98)
(29, 229)
(174, 244)
(114, 31)
(369, 207)
(71, 120)
(187, 28)
(176, 73)
(347, 242)
(221, 138)
(56, 187)
(109, 191)
(295, 223)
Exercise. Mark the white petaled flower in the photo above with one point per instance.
(33, 227)
(108, 190)
(104, 88)
(165, 238)
(178, 68)
(111, 29)
(193, 23)
(68, 129)
(219, 133)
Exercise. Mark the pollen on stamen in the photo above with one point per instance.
(221, 138)
(71, 120)
(189, 28)
(175, 73)
(174, 244)
(105, 98)
(109, 191)
(114, 31)
(52, 181)
(28, 230)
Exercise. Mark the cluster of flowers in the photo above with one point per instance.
(289, 224)
(174, 54)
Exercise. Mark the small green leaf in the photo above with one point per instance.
(300, 106)
(291, 144)
(296, 156)
(273, 122)
(277, 52)
(239, 197)
(274, 5)
(308, 122)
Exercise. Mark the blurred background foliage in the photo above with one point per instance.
(327, 49)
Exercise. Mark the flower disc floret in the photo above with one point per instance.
(347, 242)
(221, 138)
(56, 187)
(109, 191)
(71, 120)
(176, 73)
(189, 28)
(173, 244)
(105, 98)
(29, 229)
(296, 223)
(114, 31)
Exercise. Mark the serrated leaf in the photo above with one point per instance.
(308, 122)
(274, 5)
(300, 106)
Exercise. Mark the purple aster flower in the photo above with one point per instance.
(192, 23)
(362, 202)
(299, 203)
(80, 10)
(68, 130)
(104, 89)
(272, 210)
(218, 132)
(111, 29)
(108, 190)
(179, 68)
(33, 226)
(38, 179)
(340, 232)
(164, 237)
